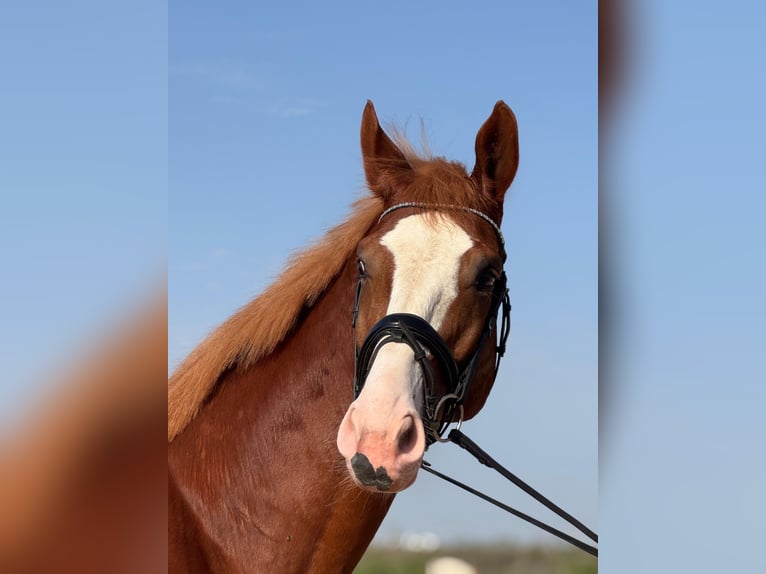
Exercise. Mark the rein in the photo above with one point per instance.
(466, 443)
(424, 340)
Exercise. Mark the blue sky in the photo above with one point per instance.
(83, 180)
(265, 103)
(683, 460)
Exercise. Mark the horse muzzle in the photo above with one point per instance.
(382, 436)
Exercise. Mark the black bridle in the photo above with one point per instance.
(427, 344)
(423, 339)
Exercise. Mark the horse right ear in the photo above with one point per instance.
(383, 161)
(497, 152)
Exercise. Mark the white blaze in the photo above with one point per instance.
(427, 252)
(384, 422)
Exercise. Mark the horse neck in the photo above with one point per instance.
(259, 469)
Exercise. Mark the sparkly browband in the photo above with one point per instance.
(476, 212)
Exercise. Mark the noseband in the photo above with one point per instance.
(426, 343)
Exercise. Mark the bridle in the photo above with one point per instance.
(423, 339)
(426, 343)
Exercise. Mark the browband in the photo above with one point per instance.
(476, 212)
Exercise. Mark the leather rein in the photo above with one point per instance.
(439, 412)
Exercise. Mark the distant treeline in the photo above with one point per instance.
(490, 559)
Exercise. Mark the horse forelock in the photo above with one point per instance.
(436, 180)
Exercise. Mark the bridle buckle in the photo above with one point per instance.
(435, 421)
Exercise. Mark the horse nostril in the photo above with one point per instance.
(408, 437)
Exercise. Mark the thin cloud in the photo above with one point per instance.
(294, 107)
(227, 74)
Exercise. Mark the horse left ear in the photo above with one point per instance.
(497, 152)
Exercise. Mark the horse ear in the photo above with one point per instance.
(497, 152)
(382, 159)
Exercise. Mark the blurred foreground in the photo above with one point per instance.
(83, 481)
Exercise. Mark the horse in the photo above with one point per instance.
(294, 424)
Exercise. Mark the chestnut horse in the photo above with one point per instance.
(290, 428)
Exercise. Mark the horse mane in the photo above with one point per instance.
(254, 331)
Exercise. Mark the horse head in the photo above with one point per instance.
(430, 283)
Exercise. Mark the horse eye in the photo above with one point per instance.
(486, 280)
(361, 268)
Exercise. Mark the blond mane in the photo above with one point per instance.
(254, 331)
